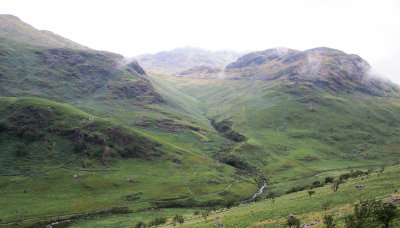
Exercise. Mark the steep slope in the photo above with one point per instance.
(37, 64)
(181, 59)
(302, 119)
(323, 66)
(13, 28)
(54, 154)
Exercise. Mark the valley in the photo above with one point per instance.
(91, 138)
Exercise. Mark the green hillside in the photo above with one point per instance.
(301, 124)
(90, 138)
(57, 160)
(12, 28)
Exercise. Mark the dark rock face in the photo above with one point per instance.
(201, 69)
(322, 67)
(66, 75)
(136, 67)
(140, 90)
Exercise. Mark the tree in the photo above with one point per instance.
(293, 222)
(196, 213)
(205, 214)
(335, 186)
(179, 218)
(325, 204)
(311, 192)
(385, 212)
(328, 221)
(363, 214)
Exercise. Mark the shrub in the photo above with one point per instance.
(385, 212)
(328, 221)
(140, 224)
(179, 218)
(232, 202)
(370, 212)
(317, 184)
(293, 222)
(296, 189)
(310, 193)
(325, 204)
(157, 221)
(328, 180)
(205, 214)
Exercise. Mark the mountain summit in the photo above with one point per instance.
(181, 59)
(11, 27)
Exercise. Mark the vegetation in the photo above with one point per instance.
(293, 222)
(88, 139)
(328, 221)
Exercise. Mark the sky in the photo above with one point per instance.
(370, 29)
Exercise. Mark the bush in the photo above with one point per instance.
(296, 189)
(231, 203)
(310, 193)
(385, 212)
(293, 222)
(179, 218)
(328, 221)
(140, 224)
(157, 221)
(325, 204)
(205, 214)
(328, 180)
(370, 212)
(317, 184)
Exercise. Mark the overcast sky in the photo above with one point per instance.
(370, 29)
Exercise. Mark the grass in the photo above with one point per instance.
(88, 150)
(50, 179)
(298, 131)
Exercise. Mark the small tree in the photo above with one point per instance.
(335, 186)
(311, 192)
(205, 214)
(179, 218)
(196, 213)
(293, 222)
(325, 204)
(328, 221)
(385, 212)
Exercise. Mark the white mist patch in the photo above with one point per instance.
(281, 51)
(221, 75)
(312, 66)
(376, 74)
(124, 62)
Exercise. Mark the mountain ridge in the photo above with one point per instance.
(11, 27)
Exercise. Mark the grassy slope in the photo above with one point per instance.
(299, 130)
(272, 214)
(40, 185)
(13, 28)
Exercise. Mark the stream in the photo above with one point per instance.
(260, 191)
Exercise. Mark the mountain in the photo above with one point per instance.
(180, 59)
(12, 28)
(41, 64)
(86, 134)
(88, 130)
(52, 153)
(295, 113)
